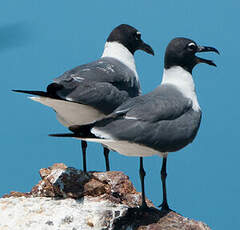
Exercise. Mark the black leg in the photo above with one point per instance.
(142, 175)
(164, 204)
(106, 155)
(84, 148)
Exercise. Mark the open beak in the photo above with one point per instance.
(145, 47)
(206, 49)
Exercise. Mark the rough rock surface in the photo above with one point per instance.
(69, 199)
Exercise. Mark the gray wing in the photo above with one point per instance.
(102, 96)
(104, 84)
(103, 70)
(163, 120)
(164, 103)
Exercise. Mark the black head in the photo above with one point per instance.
(181, 52)
(130, 38)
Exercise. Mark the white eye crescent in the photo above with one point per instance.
(138, 35)
(192, 46)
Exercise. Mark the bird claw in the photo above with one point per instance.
(144, 206)
(164, 206)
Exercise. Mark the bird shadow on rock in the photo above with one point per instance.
(136, 217)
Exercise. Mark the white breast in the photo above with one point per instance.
(183, 80)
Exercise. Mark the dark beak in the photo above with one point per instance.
(145, 47)
(206, 49)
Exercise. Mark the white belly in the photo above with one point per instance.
(126, 148)
(70, 113)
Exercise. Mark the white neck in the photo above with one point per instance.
(183, 80)
(121, 53)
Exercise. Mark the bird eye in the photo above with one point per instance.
(138, 35)
(192, 46)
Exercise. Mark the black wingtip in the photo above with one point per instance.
(18, 91)
(63, 135)
(33, 92)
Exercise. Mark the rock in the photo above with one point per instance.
(69, 199)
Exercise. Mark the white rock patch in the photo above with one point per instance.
(43, 213)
